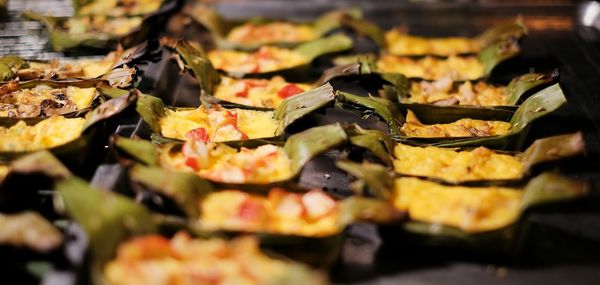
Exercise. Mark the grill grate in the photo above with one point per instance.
(29, 39)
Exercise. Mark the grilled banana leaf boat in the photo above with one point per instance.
(457, 68)
(398, 42)
(487, 218)
(247, 93)
(254, 33)
(13, 67)
(256, 165)
(215, 123)
(459, 130)
(67, 138)
(98, 29)
(482, 164)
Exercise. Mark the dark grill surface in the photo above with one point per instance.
(560, 248)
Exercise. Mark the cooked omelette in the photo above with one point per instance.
(471, 209)
(217, 124)
(456, 166)
(432, 68)
(222, 163)
(51, 132)
(154, 259)
(266, 59)
(271, 33)
(313, 213)
(266, 93)
(461, 128)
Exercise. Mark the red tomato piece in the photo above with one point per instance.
(192, 162)
(249, 210)
(199, 134)
(289, 90)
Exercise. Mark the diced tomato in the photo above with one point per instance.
(264, 53)
(243, 93)
(199, 134)
(231, 118)
(250, 210)
(256, 68)
(317, 204)
(192, 162)
(289, 90)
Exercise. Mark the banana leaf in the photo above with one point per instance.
(541, 151)
(489, 58)
(37, 162)
(309, 51)
(71, 152)
(190, 56)
(507, 31)
(62, 39)
(108, 219)
(300, 148)
(377, 142)
(13, 67)
(515, 90)
(104, 90)
(545, 189)
(152, 110)
(537, 105)
(220, 28)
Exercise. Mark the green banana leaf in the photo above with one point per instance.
(38, 162)
(300, 148)
(490, 57)
(503, 32)
(152, 109)
(541, 151)
(192, 57)
(71, 152)
(62, 39)
(515, 90)
(13, 67)
(537, 105)
(310, 51)
(219, 27)
(546, 188)
(107, 218)
(377, 142)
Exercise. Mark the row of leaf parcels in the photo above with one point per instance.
(105, 24)
(268, 91)
(256, 32)
(237, 260)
